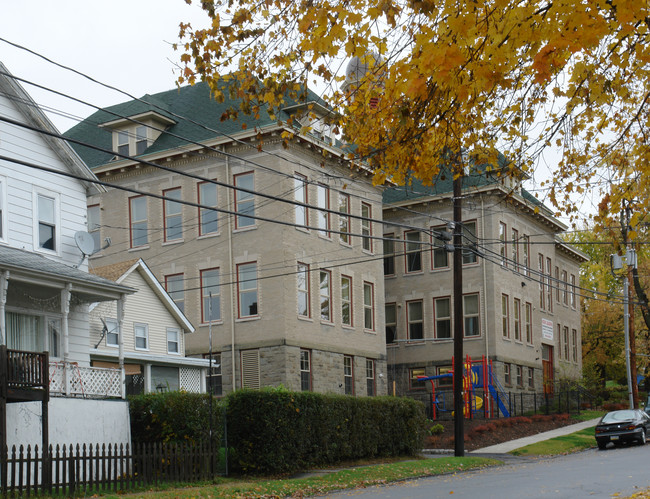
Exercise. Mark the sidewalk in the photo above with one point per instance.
(506, 447)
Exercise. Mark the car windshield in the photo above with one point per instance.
(616, 416)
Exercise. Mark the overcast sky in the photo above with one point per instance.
(126, 44)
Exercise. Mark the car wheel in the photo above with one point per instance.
(601, 444)
(643, 438)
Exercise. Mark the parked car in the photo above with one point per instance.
(629, 425)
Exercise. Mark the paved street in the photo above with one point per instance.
(592, 473)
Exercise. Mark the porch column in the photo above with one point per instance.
(4, 284)
(120, 342)
(65, 310)
(147, 378)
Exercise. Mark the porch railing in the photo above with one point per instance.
(26, 370)
(70, 379)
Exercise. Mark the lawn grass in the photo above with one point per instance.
(322, 482)
(586, 415)
(580, 440)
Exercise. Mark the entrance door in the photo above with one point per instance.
(547, 368)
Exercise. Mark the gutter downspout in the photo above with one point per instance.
(65, 310)
(487, 346)
(232, 281)
(4, 285)
(120, 323)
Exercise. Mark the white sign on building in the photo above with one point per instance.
(547, 329)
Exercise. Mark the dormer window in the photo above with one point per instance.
(131, 142)
(132, 136)
(140, 140)
(123, 142)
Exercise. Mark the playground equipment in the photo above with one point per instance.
(477, 377)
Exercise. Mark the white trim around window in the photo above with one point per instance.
(141, 336)
(173, 341)
(46, 207)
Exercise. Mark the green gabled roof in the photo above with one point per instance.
(194, 102)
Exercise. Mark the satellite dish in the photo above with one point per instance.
(85, 242)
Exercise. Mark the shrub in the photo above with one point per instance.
(174, 417)
(436, 429)
(297, 430)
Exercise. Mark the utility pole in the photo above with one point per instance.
(628, 316)
(459, 413)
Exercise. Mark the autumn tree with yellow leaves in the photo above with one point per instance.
(477, 76)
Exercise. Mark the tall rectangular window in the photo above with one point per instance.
(525, 250)
(503, 252)
(208, 216)
(368, 306)
(247, 289)
(505, 317)
(304, 295)
(519, 376)
(389, 254)
(173, 214)
(556, 284)
(565, 288)
(471, 316)
(415, 320)
(93, 226)
(565, 341)
(141, 142)
(528, 322)
(549, 285)
(413, 251)
(141, 332)
(516, 314)
(47, 223)
(210, 287)
(123, 142)
(344, 218)
(244, 201)
(138, 221)
(574, 344)
(442, 319)
(346, 300)
(573, 291)
(391, 322)
(506, 374)
(300, 196)
(531, 377)
(323, 203)
(175, 287)
(366, 226)
(515, 248)
(439, 254)
(348, 374)
(305, 370)
(469, 243)
(370, 377)
(173, 340)
(325, 295)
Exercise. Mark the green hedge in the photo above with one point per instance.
(274, 431)
(174, 417)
